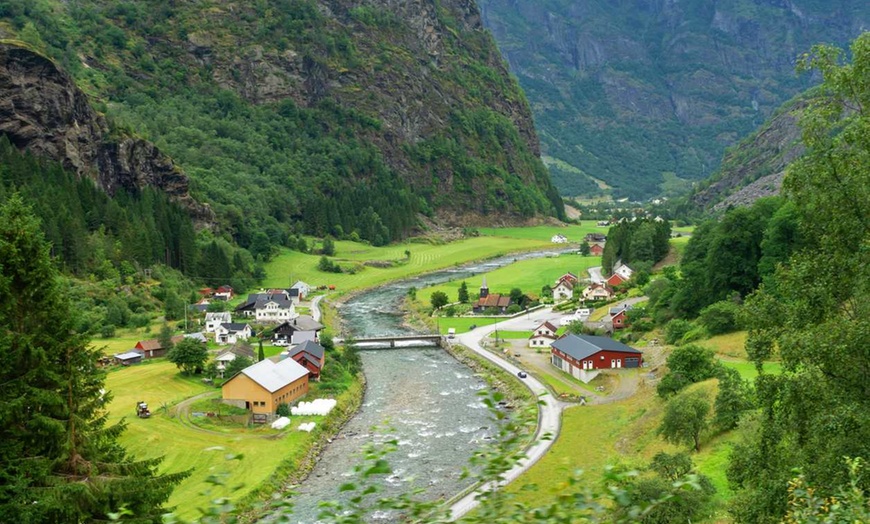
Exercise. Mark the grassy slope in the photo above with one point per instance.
(186, 448)
(623, 432)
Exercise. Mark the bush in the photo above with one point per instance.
(283, 410)
(676, 329)
(513, 309)
(107, 330)
(721, 317)
(686, 365)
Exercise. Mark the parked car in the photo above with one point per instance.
(283, 342)
(522, 374)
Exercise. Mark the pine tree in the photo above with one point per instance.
(59, 462)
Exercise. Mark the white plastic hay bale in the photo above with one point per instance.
(320, 406)
(281, 423)
(306, 427)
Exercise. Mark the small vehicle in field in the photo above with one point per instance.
(142, 410)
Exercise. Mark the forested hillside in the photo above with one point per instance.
(644, 93)
(329, 117)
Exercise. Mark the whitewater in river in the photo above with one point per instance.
(420, 397)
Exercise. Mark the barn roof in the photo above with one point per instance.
(272, 376)
(584, 346)
(310, 347)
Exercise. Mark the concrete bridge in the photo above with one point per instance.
(394, 341)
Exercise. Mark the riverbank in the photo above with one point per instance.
(294, 470)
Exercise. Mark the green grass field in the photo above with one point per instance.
(574, 234)
(622, 432)
(185, 448)
(730, 345)
(463, 324)
(747, 369)
(292, 265)
(528, 275)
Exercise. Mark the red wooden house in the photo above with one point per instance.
(577, 353)
(615, 280)
(153, 348)
(596, 250)
(311, 355)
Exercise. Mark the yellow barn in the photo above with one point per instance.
(262, 387)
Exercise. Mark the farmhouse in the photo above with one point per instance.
(153, 348)
(214, 320)
(577, 353)
(597, 292)
(615, 280)
(559, 239)
(622, 270)
(303, 289)
(264, 386)
(564, 290)
(596, 249)
(272, 306)
(619, 317)
(309, 354)
(229, 355)
(595, 237)
(543, 336)
(570, 277)
(224, 293)
(296, 331)
(231, 333)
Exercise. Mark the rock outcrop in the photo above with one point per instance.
(755, 167)
(42, 111)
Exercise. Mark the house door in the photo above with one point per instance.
(613, 362)
(619, 362)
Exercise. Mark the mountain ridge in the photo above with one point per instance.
(627, 91)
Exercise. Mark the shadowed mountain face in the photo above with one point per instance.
(626, 91)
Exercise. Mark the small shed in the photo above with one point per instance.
(129, 358)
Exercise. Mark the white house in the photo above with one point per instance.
(543, 336)
(214, 320)
(559, 239)
(231, 333)
(563, 291)
(304, 289)
(622, 270)
(274, 306)
(229, 355)
(597, 292)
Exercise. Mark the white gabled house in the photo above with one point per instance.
(622, 270)
(564, 290)
(214, 320)
(231, 333)
(304, 289)
(274, 306)
(559, 239)
(543, 336)
(597, 292)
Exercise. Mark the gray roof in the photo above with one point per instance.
(584, 346)
(223, 316)
(129, 355)
(233, 326)
(299, 284)
(274, 376)
(301, 323)
(196, 336)
(308, 346)
(293, 291)
(624, 307)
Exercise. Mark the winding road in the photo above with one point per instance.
(549, 413)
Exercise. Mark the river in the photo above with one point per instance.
(421, 397)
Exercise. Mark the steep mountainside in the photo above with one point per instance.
(623, 92)
(42, 111)
(329, 116)
(755, 167)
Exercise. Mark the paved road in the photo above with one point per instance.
(549, 413)
(315, 307)
(595, 274)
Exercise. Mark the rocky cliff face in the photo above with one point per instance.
(624, 91)
(42, 111)
(755, 167)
